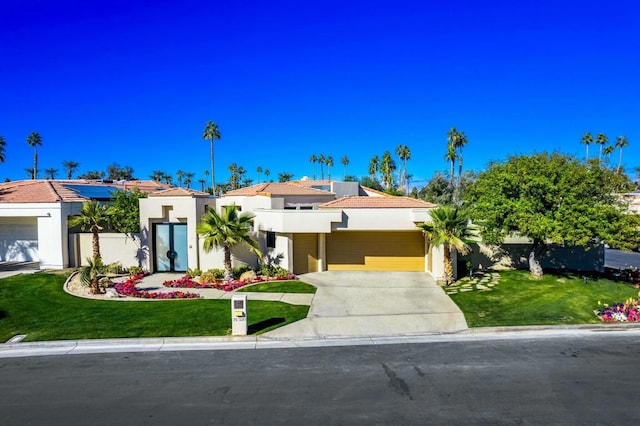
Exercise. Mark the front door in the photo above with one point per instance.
(170, 247)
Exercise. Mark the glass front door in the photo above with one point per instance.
(170, 247)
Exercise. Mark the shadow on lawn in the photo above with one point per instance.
(262, 325)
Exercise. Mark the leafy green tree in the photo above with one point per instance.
(587, 140)
(284, 177)
(34, 140)
(94, 217)
(70, 167)
(124, 212)
(371, 182)
(551, 198)
(116, 172)
(225, 231)
(92, 175)
(449, 228)
(3, 145)
(621, 142)
(50, 173)
(212, 132)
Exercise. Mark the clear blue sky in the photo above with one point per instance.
(135, 82)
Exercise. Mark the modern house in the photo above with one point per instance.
(303, 226)
(34, 216)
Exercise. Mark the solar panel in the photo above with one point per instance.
(93, 192)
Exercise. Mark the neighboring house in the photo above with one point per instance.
(303, 226)
(633, 201)
(34, 216)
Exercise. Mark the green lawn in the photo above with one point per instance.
(280, 287)
(36, 305)
(553, 299)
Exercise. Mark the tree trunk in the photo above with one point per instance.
(448, 265)
(213, 174)
(96, 246)
(228, 272)
(35, 164)
(534, 259)
(95, 285)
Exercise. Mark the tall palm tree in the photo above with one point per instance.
(607, 151)
(50, 173)
(373, 167)
(387, 167)
(233, 178)
(266, 174)
(34, 140)
(329, 163)
(157, 175)
(601, 140)
(188, 178)
(345, 163)
(621, 142)
(3, 144)
(202, 182)
(212, 133)
(405, 154)
(259, 171)
(284, 177)
(225, 231)
(70, 167)
(451, 156)
(460, 143)
(314, 160)
(322, 160)
(94, 217)
(180, 177)
(449, 228)
(587, 139)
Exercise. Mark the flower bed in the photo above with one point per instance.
(188, 282)
(128, 288)
(629, 311)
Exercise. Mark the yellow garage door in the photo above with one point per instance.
(375, 251)
(305, 253)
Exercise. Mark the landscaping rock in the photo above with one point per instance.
(246, 276)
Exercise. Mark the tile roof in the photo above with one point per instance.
(54, 191)
(377, 203)
(312, 182)
(275, 189)
(179, 192)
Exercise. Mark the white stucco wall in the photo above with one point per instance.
(114, 247)
(296, 220)
(382, 219)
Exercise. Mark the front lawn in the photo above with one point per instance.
(37, 305)
(279, 287)
(553, 299)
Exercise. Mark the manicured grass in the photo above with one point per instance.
(280, 287)
(553, 299)
(37, 305)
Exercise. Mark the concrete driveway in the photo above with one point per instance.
(9, 269)
(350, 304)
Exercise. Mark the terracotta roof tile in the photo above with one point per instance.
(377, 203)
(276, 189)
(178, 192)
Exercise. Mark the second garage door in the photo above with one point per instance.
(375, 251)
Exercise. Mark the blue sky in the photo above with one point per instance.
(135, 82)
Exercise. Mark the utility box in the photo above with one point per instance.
(239, 315)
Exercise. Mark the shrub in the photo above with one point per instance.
(239, 270)
(135, 270)
(115, 268)
(194, 272)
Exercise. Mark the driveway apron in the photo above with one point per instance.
(368, 303)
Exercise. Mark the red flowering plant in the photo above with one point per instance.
(629, 311)
(188, 282)
(128, 288)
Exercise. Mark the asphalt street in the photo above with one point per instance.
(561, 380)
(618, 259)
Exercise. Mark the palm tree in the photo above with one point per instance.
(50, 173)
(34, 140)
(94, 217)
(259, 171)
(451, 156)
(284, 177)
(387, 167)
(405, 154)
(345, 163)
(233, 178)
(180, 176)
(157, 175)
(329, 163)
(460, 143)
(266, 174)
(212, 133)
(621, 142)
(607, 151)
(587, 139)
(227, 230)
(601, 140)
(3, 144)
(70, 167)
(188, 178)
(450, 229)
(314, 160)
(29, 172)
(202, 182)
(373, 167)
(322, 160)
(89, 274)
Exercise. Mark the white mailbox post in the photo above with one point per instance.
(239, 315)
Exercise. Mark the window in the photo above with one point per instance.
(306, 207)
(271, 239)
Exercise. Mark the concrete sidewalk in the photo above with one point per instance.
(354, 303)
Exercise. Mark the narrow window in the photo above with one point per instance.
(271, 239)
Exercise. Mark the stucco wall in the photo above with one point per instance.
(114, 247)
(382, 219)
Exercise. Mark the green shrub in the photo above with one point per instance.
(194, 272)
(134, 270)
(239, 270)
(115, 268)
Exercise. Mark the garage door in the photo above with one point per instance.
(19, 239)
(305, 253)
(375, 251)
